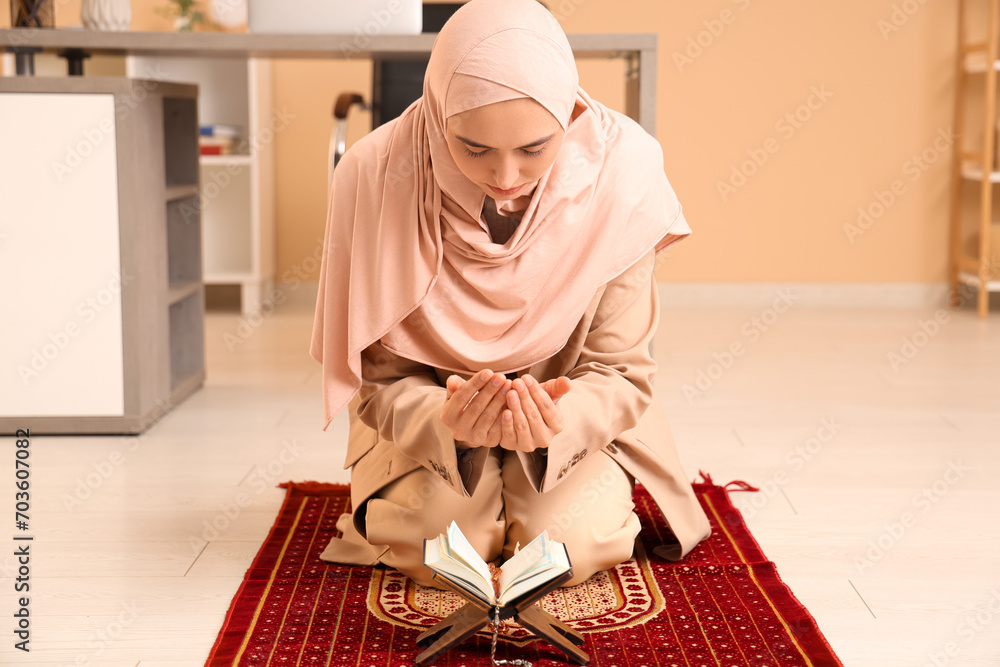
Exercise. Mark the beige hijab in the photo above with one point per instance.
(408, 258)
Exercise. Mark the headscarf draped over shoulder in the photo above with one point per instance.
(407, 257)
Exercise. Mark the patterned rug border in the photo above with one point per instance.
(798, 622)
(226, 648)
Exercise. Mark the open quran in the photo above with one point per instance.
(452, 556)
(495, 594)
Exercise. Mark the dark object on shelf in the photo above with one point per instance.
(29, 14)
(74, 60)
(32, 14)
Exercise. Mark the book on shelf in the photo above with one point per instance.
(221, 130)
(219, 139)
(217, 146)
(214, 150)
(452, 557)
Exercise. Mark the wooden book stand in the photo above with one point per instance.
(475, 615)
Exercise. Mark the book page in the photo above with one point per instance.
(542, 560)
(453, 557)
(522, 560)
(462, 550)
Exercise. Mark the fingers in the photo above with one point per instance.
(473, 414)
(485, 395)
(491, 413)
(508, 438)
(541, 431)
(557, 387)
(550, 414)
(519, 432)
(563, 385)
(495, 434)
(471, 386)
(482, 412)
(455, 404)
(488, 409)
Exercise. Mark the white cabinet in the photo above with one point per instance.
(100, 250)
(236, 198)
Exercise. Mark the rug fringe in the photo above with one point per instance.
(740, 486)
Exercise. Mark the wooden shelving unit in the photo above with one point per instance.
(980, 270)
(114, 250)
(237, 203)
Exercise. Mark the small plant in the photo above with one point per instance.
(186, 14)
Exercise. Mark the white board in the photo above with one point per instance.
(60, 265)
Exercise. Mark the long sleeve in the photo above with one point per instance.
(612, 380)
(401, 399)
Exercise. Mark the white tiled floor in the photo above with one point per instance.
(141, 542)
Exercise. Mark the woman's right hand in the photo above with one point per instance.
(472, 408)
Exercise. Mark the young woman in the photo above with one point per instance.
(487, 300)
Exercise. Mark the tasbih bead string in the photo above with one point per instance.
(495, 623)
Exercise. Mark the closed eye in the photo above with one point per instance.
(526, 149)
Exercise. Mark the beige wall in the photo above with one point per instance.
(887, 96)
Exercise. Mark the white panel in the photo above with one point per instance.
(61, 336)
(343, 17)
(225, 219)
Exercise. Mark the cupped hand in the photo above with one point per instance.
(532, 417)
(472, 408)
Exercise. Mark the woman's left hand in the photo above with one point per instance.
(531, 419)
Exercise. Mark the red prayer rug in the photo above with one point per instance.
(722, 605)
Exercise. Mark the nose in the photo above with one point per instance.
(505, 174)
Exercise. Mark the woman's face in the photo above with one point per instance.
(505, 147)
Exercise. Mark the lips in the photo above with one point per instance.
(512, 191)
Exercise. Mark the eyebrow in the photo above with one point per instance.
(475, 144)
